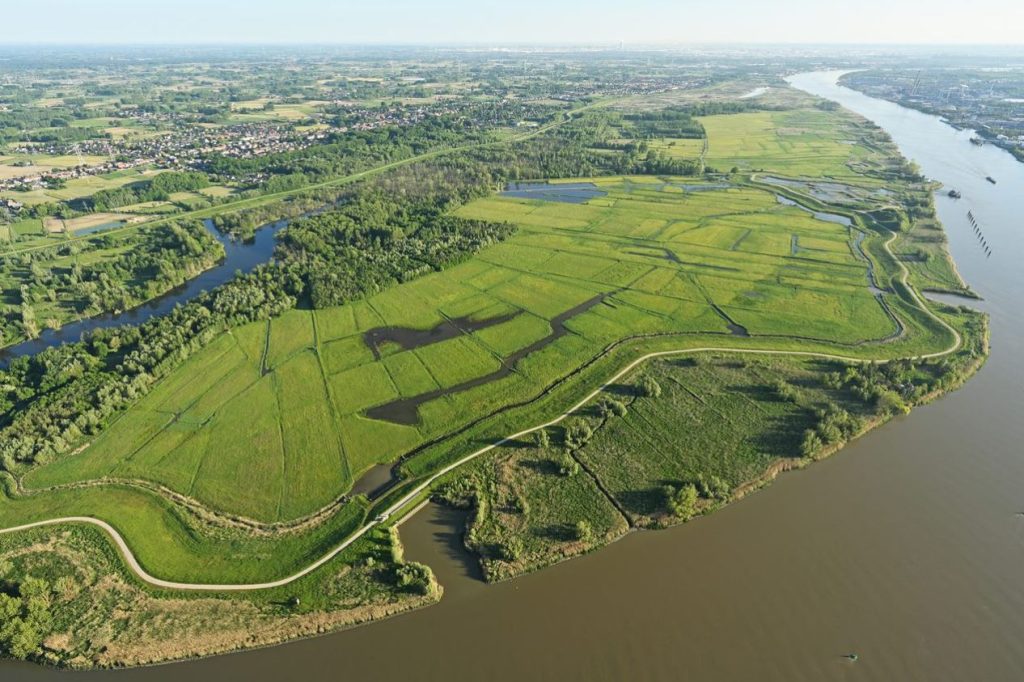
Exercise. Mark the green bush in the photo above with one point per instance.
(681, 501)
(649, 387)
(577, 433)
(583, 530)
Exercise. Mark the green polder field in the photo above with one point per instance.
(273, 421)
(801, 142)
(284, 404)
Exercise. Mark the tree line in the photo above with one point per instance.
(160, 188)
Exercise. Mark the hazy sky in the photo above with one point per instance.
(512, 21)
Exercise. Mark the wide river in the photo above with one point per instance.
(907, 548)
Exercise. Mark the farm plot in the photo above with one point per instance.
(800, 143)
(274, 421)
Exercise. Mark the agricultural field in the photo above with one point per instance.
(307, 403)
(40, 163)
(678, 147)
(92, 222)
(77, 188)
(253, 111)
(801, 143)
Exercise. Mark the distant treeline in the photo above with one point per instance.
(344, 153)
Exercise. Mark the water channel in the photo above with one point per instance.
(238, 256)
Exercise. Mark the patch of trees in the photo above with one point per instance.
(891, 219)
(160, 188)
(243, 224)
(157, 259)
(25, 618)
(611, 407)
(834, 425)
(576, 433)
(671, 122)
(891, 387)
(681, 500)
(686, 499)
(414, 577)
(730, 107)
(649, 387)
(371, 242)
(583, 531)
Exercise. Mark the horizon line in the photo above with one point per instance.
(617, 45)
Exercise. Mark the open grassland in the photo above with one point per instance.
(678, 147)
(272, 422)
(717, 417)
(802, 142)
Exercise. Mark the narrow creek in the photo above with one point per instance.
(406, 410)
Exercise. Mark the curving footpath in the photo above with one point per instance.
(141, 573)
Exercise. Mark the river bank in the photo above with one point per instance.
(885, 560)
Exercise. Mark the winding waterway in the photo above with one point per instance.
(907, 548)
(238, 256)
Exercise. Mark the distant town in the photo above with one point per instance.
(988, 101)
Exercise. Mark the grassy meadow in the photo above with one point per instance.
(271, 421)
(718, 424)
(284, 404)
(802, 142)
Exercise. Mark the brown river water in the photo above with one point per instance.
(907, 548)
